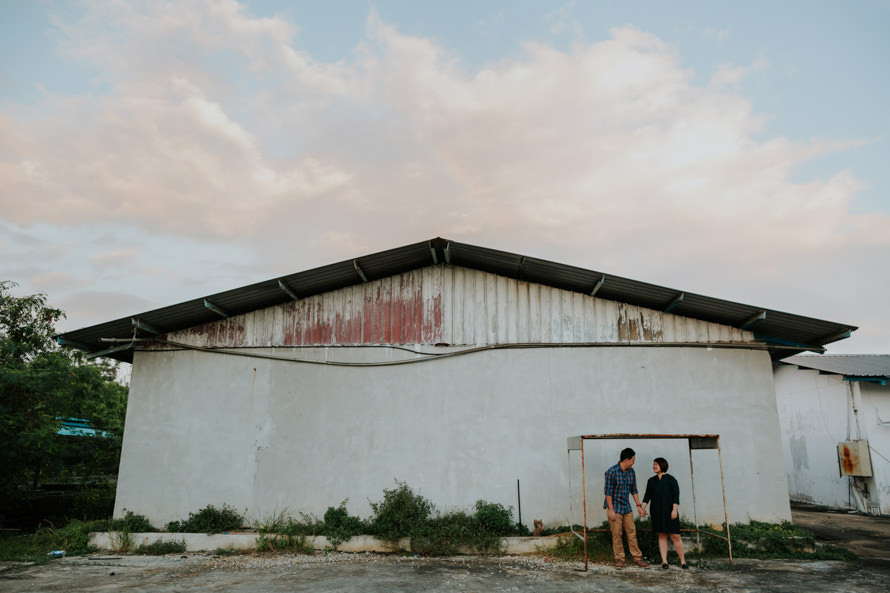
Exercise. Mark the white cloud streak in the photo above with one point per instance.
(219, 128)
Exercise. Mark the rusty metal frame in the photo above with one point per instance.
(695, 442)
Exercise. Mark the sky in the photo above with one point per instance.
(156, 152)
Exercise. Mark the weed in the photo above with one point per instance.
(74, 537)
(121, 541)
(161, 547)
(283, 542)
(226, 552)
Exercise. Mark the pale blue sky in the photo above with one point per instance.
(154, 152)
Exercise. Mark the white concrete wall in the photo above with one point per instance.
(265, 436)
(816, 413)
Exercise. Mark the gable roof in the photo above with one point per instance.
(854, 367)
(778, 329)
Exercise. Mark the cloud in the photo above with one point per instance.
(218, 127)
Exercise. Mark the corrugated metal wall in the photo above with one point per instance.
(458, 306)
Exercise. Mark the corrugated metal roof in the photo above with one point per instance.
(849, 365)
(775, 327)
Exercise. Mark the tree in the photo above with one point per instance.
(40, 386)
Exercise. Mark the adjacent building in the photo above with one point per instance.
(834, 412)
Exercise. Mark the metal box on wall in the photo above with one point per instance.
(854, 459)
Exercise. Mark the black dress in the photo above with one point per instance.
(664, 494)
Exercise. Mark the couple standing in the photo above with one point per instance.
(664, 492)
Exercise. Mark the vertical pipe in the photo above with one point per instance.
(725, 513)
(694, 513)
(519, 501)
(584, 497)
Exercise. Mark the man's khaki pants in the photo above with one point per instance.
(624, 523)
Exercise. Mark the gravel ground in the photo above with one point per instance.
(347, 572)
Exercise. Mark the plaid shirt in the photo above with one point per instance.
(620, 485)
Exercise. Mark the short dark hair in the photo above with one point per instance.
(662, 463)
(627, 454)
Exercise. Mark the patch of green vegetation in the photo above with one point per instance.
(771, 540)
(402, 513)
(749, 540)
(339, 526)
(399, 514)
(161, 547)
(208, 520)
(73, 538)
(130, 523)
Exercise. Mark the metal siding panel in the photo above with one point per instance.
(287, 324)
(398, 311)
(269, 328)
(610, 322)
(491, 308)
(645, 316)
(334, 308)
(278, 325)
(578, 329)
(431, 305)
(479, 313)
(534, 313)
(656, 326)
(546, 315)
(406, 308)
(691, 329)
(588, 310)
(502, 286)
(623, 334)
(446, 329)
(415, 335)
(522, 312)
(317, 320)
(555, 316)
(701, 331)
(566, 320)
(459, 306)
(369, 291)
(388, 309)
(667, 328)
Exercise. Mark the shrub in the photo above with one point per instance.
(442, 535)
(208, 520)
(130, 523)
(339, 526)
(400, 513)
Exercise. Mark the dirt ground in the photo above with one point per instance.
(867, 536)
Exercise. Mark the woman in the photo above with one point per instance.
(664, 492)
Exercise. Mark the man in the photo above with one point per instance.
(621, 481)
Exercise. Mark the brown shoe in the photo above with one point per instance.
(641, 563)
(619, 564)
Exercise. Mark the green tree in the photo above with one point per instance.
(40, 385)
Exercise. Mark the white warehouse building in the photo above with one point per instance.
(457, 369)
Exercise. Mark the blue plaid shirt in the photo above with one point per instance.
(620, 485)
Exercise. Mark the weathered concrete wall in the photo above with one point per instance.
(816, 413)
(268, 435)
(198, 542)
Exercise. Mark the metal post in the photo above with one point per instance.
(725, 513)
(519, 501)
(694, 513)
(584, 497)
